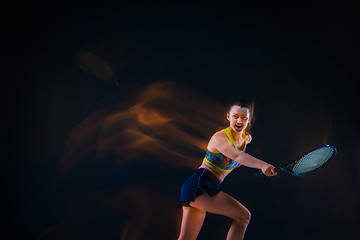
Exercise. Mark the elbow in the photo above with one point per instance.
(240, 158)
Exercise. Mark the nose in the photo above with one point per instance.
(239, 120)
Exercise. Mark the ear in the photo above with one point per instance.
(228, 116)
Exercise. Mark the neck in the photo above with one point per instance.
(236, 135)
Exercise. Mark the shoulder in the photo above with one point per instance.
(219, 137)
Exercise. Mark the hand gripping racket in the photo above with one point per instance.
(308, 163)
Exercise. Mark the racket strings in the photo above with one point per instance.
(313, 160)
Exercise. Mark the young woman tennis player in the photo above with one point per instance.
(225, 152)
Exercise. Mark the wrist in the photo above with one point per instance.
(264, 165)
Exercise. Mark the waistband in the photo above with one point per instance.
(207, 173)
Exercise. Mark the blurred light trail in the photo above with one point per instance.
(139, 151)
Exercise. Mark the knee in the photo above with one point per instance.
(243, 217)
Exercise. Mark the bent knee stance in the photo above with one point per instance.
(242, 218)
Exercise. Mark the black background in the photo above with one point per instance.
(296, 60)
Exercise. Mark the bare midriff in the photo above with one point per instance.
(219, 174)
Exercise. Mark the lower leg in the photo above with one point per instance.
(237, 230)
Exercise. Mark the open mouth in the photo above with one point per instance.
(238, 127)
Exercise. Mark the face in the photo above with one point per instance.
(239, 118)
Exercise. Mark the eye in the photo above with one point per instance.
(244, 118)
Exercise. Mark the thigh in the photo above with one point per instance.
(222, 204)
(192, 222)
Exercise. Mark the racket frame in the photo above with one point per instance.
(288, 167)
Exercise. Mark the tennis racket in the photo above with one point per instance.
(308, 163)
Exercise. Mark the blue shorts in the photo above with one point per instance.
(199, 183)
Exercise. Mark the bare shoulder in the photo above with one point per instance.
(217, 138)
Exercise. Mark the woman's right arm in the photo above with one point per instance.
(220, 142)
